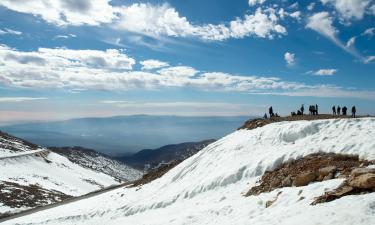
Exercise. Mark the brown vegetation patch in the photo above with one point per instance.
(155, 174)
(314, 167)
(16, 195)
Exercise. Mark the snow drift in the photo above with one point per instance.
(209, 187)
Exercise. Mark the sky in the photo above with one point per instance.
(62, 59)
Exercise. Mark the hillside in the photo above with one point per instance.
(152, 158)
(99, 162)
(32, 176)
(214, 186)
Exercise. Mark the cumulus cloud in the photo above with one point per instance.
(5, 31)
(178, 71)
(325, 72)
(66, 12)
(153, 64)
(311, 6)
(148, 19)
(349, 9)
(290, 58)
(158, 20)
(62, 69)
(255, 2)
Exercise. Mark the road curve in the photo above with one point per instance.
(27, 153)
(70, 200)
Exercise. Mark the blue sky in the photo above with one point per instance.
(65, 59)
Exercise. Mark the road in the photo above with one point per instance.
(27, 153)
(73, 199)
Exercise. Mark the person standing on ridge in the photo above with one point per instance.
(338, 110)
(344, 110)
(302, 109)
(316, 109)
(334, 110)
(270, 111)
(354, 110)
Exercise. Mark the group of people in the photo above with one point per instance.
(336, 111)
(314, 110)
(272, 114)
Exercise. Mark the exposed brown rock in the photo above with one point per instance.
(364, 181)
(325, 166)
(305, 178)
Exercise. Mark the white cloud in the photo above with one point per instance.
(294, 6)
(65, 36)
(178, 71)
(255, 2)
(322, 23)
(350, 42)
(148, 19)
(152, 64)
(328, 91)
(19, 99)
(369, 32)
(66, 12)
(349, 9)
(159, 20)
(325, 72)
(370, 59)
(5, 31)
(62, 69)
(311, 6)
(289, 58)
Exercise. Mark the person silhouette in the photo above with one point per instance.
(334, 110)
(354, 110)
(338, 110)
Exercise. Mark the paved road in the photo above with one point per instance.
(74, 199)
(41, 152)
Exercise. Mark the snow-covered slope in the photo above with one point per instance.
(209, 187)
(31, 176)
(100, 162)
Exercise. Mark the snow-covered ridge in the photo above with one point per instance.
(99, 162)
(25, 167)
(208, 187)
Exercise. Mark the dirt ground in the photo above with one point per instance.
(255, 123)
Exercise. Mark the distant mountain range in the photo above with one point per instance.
(152, 158)
(125, 134)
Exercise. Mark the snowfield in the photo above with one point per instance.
(54, 172)
(208, 187)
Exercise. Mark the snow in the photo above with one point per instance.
(57, 173)
(5, 153)
(208, 187)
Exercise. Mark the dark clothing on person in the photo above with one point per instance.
(334, 110)
(354, 110)
(344, 110)
(316, 110)
(302, 109)
(338, 110)
(270, 110)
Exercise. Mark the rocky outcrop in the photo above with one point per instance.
(311, 168)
